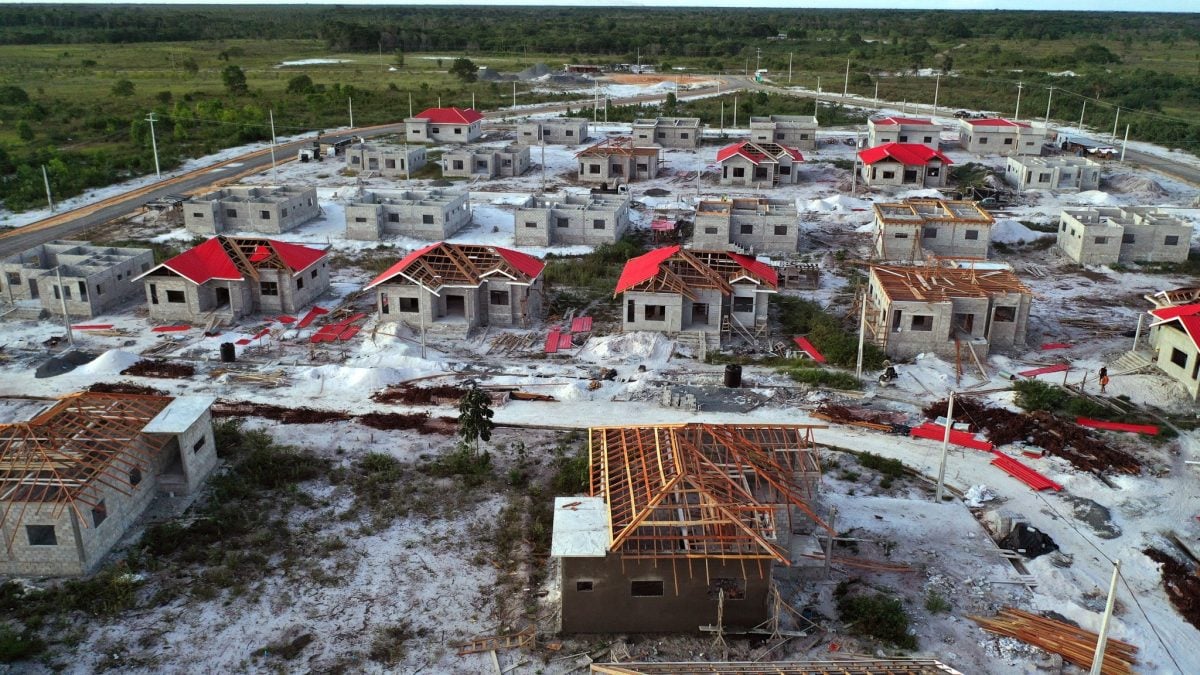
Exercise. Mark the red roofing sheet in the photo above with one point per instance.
(1148, 429)
(262, 333)
(908, 154)
(205, 262)
(91, 326)
(745, 149)
(1165, 313)
(756, 267)
(349, 333)
(996, 122)
(564, 341)
(1055, 345)
(402, 265)
(170, 329)
(311, 316)
(295, 256)
(260, 254)
(1023, 473)
(1191, 324)
(890, 121)
(523, 262)
(552, 342)
(937, 432)
(450, 115)
(662, 225)
(809, 349)
(581, 324)
(243, 342)
(286, 319)
(644, 267)
(1044, 370)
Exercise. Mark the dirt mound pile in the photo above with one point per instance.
(125, 388)
(1128, 183)
(151, 368)
(1183, 587)
(412, 395)
(533, 72)
(277, 413)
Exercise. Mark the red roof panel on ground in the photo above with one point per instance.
(908, 154)
(552, 342)
(803, 343)
(1044, 370)
(205, 262)
(581, 324)
(450, 115)
(644, 267)
(523, 262)
(756, 267)
(1148, 429)
(662, 225)
(311, 316)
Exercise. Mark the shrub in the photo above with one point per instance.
(16, 646)
(388, 645)
(1038, 395)
(840, 347)
(935, 603)
(824, 378)
(892, 468)
(878, 616)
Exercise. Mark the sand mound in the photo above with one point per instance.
(110, 363)
(1128, 183)
(533, 72)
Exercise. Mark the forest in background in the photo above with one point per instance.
(77, 82)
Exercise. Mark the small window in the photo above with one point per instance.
(1008, 141)
(781, 230)
(530, 223)
(197, 214)
(389, 163)
(593, 168)
(408, 305)
(598, 224)
(313, 274)
(1005, 314)
(393, 217)
(198, 445)
(1169, 240)
(41, 535)
(742, 304)
(1178, 358)
(645, 589)
(923, 322)
(1043, 178)
(583, 586)
(135, 476)
(176, 297)
(655, 313)
(933, 171)
(710, 230)
(983, 140)
(683, 135)
(82, 290)
(1100, 241)
(904, 139)
(300, 283)
(569, 134)
(283, 213)
(99, 514)
(498, 298)
(746, 228)
(458, 130)
(662, 134)
(900, 235)
(99, 289)
(231, 213)
(57, 294)
(739, 172)
(360, 219)
(889, 175)
(971, 235)
(563, 222)
(928, 139)
(929, 233)
(153, 294)
(427, 219)
(268, 288)
(1126, 238)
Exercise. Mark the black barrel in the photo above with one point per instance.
(229, 354)
(733, 375)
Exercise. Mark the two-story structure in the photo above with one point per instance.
(444, 125)
(81, 472)
(795, 131)
(945, 310)
(432, 214)
(910, 165)
(229, 277)
(917, 228)
(457, 287)
(511, 160)
(393, 161)
(86, 279)
(617, 160)
(995, 136)
(756, 224)
(1105, 235)
(683, 522)
(1052, 173)
(922, 130)
(571, 219)
(667, 132)
(759, 165)
(268, 210)
(554, 130)
(718, 294)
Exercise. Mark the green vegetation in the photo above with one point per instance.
(577, 281)
(879, 616)
(935, 603)
(1035, 395)
(826, 332)
(820, 377)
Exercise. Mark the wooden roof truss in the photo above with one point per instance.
(61, 458)
(686, 271)
(458, 265)
(703, 491)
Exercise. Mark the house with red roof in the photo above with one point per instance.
(904, 165)
(1175, 339)
(760, 165)
(893, 129)
(718, 294)
(444, 125)
(457, 287)
(267, 210)
(997, 136)
(231, 277)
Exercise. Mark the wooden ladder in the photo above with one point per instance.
(493, 643)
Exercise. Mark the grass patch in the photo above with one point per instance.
(819, 377)
(590, 277)
(826, 332)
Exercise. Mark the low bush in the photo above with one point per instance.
(878, 616)
(1038, 395)
(819, 377)
(836, 344)
(891, 468)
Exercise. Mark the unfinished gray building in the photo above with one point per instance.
(88, 279)
(1108, 235)
(797, 131)
(1052, 173)
(668, 132)
(995, 136)
(755, 224)
(269, 210)
(78, 475)
(616, 160)
(918, 228)
(432, 214)
(573, 219)
(946, 311)
(394, 161)
(509, 161)
(555, 130)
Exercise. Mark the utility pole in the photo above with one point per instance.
(154, 144)
(735, 111)
(789, 67)
(757, 60)
(1115, 120)
(1102, 639)
(1048, 100)
(273, 174)
(473, 99)
(543, 163)
(937, 85)
(876, 91)
(407, 168)
(1017, 114)
(722, 118)
(62, 298)
(846, 82)
(350, 102)
(862, 317)
(747, 67)
(817, 98)
(945, 446)
(410, 102)
(1083, 110)
(514, 95)
(381, 66)
(46, 180)
(595, 102)
(1124, 142)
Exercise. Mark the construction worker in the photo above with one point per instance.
(1103, 378)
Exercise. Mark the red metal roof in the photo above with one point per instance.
(914, 121)
(908, 154)
(1165, 313)
(644, 267)
(1191, 324)
(756, 267)
(996, 122)
(450, 115)
(205, 262)
(754, 152)
(481, 263)
(295, 256)
(402, 265)
(525, 263)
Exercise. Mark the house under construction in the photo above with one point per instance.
(615, 161)
(683, 525)
(955, 313)
(915, 229)
(78, 474)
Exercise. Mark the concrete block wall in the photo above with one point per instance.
(1177, 356)
(425, 215)
(796, 131)
(563, 131)
(773, 233)
(571, 220)
(892, 174)
(94, 278)
(1089, 241)
(265, 210)
(635, 319)
(1152, 242)
(927, 135)
(389, 161)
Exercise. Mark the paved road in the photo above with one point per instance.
(69, 223)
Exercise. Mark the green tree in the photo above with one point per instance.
(300, 84)
(13, 95)
(399, 61)
(24, 131)
(234, 79)
(475, 417)
(122, 88)
(464, 69)
(190, 66)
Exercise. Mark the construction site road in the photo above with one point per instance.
(69, 223)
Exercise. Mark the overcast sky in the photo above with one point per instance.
(1075, 5)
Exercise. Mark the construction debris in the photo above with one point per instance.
(1073, 644)
(152, 368)
(124, 388)
(494, 643)
(1181, 583)
(1054, 435)
(861, 417)
(277, 413)
(408, 394)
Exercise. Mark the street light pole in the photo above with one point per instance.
(154, 144)
(46, 180)
(1017, 114)
(274, 175)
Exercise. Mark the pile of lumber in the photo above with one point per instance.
(1074, 644)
